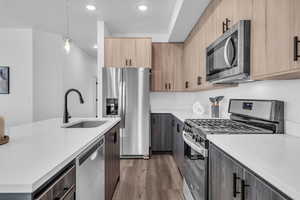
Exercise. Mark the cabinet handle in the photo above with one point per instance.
(169, 86)
(296, 44)
(126, 62)
(130, 64)
(115, 138)
(199, 80)
(166, 86)
(226, 25)
(235, 178)
(243, 189)
(186, 84)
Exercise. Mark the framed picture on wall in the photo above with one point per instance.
(4, 80)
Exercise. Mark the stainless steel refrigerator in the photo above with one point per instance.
(125, 94)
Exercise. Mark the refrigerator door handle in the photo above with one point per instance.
(123, 103)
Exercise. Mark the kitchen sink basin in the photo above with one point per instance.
(86, 124)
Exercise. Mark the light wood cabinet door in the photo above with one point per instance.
(278, 38)
(167, 66)
(210, 22)
(258, 39)
(178, 65)
(157, 69)
(142, 53)
(114, 56)
(127, 52)
(188, 65)
(224, 11)
(242, 10)
(295, 31)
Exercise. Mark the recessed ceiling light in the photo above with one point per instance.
(143, 8)
(95, 46)
(91, 7)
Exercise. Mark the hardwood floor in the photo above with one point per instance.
(155, 179)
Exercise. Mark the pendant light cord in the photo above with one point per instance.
(68, 19)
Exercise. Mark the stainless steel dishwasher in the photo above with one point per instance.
(90, 172)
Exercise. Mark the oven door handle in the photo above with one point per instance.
(198, 148)
(228, 44)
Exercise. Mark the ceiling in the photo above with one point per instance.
(120, 16)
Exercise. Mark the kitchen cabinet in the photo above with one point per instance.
(295, 31)
(273, 48)
(224, 15)
(224, 174)
(112, 161)
(127, 52)
(161, 132)
(228, 180)
(278, 40)
(167, 67)
(178, 144)
(62, 186)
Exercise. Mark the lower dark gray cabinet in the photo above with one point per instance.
(62, 187)
(112, 161)
(161, 132)
(178, 144)
(228, 180)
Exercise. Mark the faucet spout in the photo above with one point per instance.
(66, 116)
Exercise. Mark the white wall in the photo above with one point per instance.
(288, 91)
(40, 73)
(102, 32)
(16, 52)
(55, 71)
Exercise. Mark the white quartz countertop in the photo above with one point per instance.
(276, 158)
(37, 151)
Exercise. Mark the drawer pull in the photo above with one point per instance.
(243, 189)
(296, 44)
(235, 178)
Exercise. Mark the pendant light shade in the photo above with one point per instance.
(67, 45)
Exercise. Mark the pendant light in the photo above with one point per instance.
(91, 5)
(67, 39)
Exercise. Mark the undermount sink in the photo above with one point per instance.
(86, 124)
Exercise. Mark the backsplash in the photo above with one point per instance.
(287, 91)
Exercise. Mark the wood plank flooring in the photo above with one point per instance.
(155, 179)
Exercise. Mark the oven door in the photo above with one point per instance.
(195, 171)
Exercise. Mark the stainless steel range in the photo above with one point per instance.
(247, 117)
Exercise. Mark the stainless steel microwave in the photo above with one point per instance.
(228, 58)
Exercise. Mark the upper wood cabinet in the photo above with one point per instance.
(127, 52)
(295, 31)
(167, 66)
(275, 24)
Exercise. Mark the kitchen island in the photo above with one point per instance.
(38, 151)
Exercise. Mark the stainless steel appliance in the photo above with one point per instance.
(247, 117)
(90, 173)
(129, 87)
(228, 58)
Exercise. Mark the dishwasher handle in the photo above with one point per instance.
(99, 144)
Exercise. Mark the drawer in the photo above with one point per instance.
(62, 188)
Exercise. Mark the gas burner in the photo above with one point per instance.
(225, 126)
